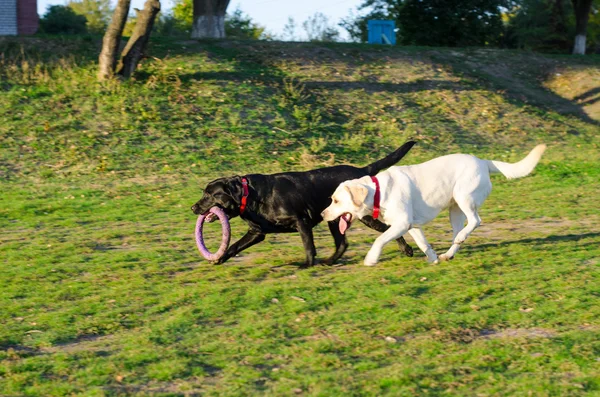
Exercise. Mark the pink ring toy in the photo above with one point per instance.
(224, 240)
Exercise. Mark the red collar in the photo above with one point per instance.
(376, 199)
(244, 194)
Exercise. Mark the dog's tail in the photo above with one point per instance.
(520, 169)
(390, 159)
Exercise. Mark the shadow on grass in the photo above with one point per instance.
(589, 97)
(541, 240)
(371, 87)
(507, 81)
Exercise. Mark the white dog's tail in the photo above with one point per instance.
(520, 169)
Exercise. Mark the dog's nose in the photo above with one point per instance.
(195, 208)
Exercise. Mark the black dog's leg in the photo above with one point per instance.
(382, 227)
(341, 243)
(250, 238)
(309, 243)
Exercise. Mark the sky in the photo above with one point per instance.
(272, 14)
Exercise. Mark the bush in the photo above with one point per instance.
(97, 13)
(317, 28)
(240, 26)
(62, 20)
(432, 22)
(237, 24)
(540, 25)
(451, 23)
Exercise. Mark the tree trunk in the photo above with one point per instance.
(582, 15)
(112, 38)
(209, 19)
(133, 51)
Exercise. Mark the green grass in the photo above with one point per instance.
(103, 292)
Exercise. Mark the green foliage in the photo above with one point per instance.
(183, 13)
(317, 28)
(544, 25)
(62, 20)
(451, 22)
(434, 23)
(548, 25)
(240, 26)
(289, 30)
(237, 24)
(541, 25)
(103, 292)
(167, 25)
(356, 26)
(96, 12)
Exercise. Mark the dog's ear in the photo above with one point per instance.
(358, 193)
(233, 187)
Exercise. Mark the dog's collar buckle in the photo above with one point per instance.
(376, 199)
(244, 195)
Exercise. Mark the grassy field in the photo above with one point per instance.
(103, 292)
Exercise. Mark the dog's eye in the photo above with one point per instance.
(335, 201)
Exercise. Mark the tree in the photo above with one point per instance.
(451, 22)
(236, 24)
(356, 25)
(550, 25)
(134, 48)
(317, 28)
(62, 20)
(183, 12)
(582, 14)
(541, 25)
(289, 30)
(110, 44)
(97, 13)
(436, 22)
(133, 51)
(209, 19)
(240, 26)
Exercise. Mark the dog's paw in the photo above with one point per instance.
(445, 257)
(408, 251)
(372, 258)
(327, 262)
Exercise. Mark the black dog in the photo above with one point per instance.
(290, 202)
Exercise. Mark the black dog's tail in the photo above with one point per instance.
(390, 159)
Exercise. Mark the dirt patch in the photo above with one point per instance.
(154, 389)
(89, 343)
(545, 225)
(518, 333)
(579, 84)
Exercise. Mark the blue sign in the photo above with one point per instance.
(382, 32)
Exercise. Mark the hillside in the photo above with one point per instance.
(103, 291)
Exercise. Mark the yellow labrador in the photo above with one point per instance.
(408, 197)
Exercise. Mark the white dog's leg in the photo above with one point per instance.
(419, 237)
(473, 221)
(391, 234)
(457, 220)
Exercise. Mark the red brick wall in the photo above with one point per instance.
(27, 17)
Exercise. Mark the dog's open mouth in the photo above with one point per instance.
(345, 221)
